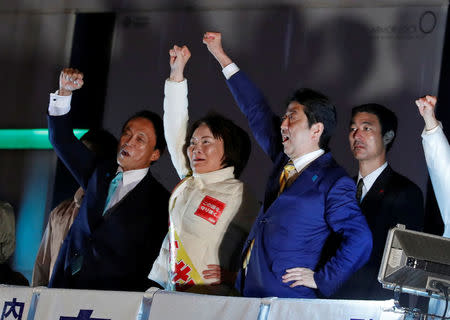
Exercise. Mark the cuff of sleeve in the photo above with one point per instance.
(426, 132)
(59, 105)
(324, 286)
(230, 70)
(172, 87)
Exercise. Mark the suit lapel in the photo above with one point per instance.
(307, 178)
(302, 183)
(130, 197)
(97, 193)
(376, 192)
(273, 184)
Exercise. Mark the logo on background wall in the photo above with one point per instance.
(425, 25)
(427, 22)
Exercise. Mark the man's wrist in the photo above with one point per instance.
(222, 58)
(64, 92)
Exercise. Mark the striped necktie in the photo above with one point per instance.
(112, 188)
(359, 188)
(288, 171)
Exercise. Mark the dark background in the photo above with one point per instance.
(122, 51)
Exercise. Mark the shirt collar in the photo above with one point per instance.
(215, 176)
(131, 176)
(369, 180)
(301, 162)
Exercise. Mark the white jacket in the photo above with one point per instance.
(204, 242)
(437, 155)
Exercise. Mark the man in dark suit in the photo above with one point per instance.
(308, 196)
(386, 197)
(123, 217)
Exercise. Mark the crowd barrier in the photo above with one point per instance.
(23, 303)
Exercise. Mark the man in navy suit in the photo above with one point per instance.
(308, 196)
(123, 217)
(386, 197)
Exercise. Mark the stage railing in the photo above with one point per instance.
(22, 303)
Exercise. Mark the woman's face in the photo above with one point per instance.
(205, 152)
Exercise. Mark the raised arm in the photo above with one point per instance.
(437, 154)
(176, 108)
(76, 157)
(264, 124)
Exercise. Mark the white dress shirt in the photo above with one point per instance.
(370, 179)
(129, 180)
(230, 70)
(60, 105)
(301, 162)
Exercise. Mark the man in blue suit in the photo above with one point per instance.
(123, 217)
(308, 196)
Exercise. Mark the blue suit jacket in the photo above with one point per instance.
(291, 229)
(117, 249)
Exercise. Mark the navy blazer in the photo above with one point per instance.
(117, 250)
(391, 200)
(291, 229)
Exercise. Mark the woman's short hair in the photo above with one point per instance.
(236, 141)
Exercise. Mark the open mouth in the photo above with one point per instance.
(124, 153)
(284, 139)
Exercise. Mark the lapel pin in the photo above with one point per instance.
(314, 177)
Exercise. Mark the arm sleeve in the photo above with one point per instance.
(344, 217)
(72, 152)
(437, 155)
(41, 270)
(59, 105)
(175, 123)
(264, 124)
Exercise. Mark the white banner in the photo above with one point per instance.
(61, 304)
(332, 310)
(177, 305)
(15, 302)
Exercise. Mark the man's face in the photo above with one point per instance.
(137, 145)
(297, 136)
(365, 137)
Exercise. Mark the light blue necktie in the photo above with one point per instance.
(112, 188)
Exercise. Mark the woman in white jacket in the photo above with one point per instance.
(437, 155)
(210, 211)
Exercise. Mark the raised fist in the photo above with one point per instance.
(179, 56)
(69, 80)
(426, 106)
(213, 41)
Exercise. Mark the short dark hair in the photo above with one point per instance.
(317, 108)
(236, 141)
(101, 142)
(387, 118)
(157, 122)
